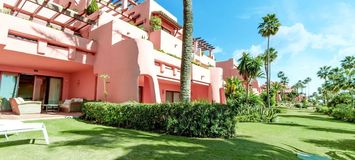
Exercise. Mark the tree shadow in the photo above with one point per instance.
(344, 145)
(340, 155)
(144, 145)
(312, 117)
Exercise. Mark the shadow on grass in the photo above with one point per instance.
(347, 147)
(345, 144)
(340, 155)
(312, 117)
(333, 130)
(144, 145)
(15, 143)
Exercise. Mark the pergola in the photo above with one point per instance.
(50, 13)
(119, 8)
(203, 44)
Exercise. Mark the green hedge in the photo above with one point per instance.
(192, 120)
(344, 112)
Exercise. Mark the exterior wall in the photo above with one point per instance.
(230, 70)
(217, 85)
(83, 85)
(128, 60)
(113, 47)
(32, 71)
(166, 42)
(167, 86)
(200, 92)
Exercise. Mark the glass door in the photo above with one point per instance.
(26, 86)
(55, 88)
(8, 89)
(40, 88)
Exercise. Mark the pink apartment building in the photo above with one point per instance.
(230, 70)
(50, 50)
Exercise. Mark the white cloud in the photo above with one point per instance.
(218, 50)
(254, 50)
(302, 52)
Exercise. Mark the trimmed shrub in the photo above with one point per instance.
(253, 113)
(192, 120)
(344, 112)
(324, 109)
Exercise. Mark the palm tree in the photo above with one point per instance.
(306, 82)
(348, 65)
(187, 42)
(276, 88)
(269, 27)
(324, 72)
(272, 56)
(233, 87)
(250, 68)
(284, 81)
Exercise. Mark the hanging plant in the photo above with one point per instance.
(155, 23)
(93, 7)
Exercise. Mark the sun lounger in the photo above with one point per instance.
(13, 126)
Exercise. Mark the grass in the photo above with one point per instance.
(296, 131)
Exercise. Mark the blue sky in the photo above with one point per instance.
(313, 33)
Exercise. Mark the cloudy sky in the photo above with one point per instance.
(314, 33)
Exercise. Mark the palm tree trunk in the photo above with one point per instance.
(268, 72)
(247, 90)
(185, 77)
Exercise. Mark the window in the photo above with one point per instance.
(172, 96)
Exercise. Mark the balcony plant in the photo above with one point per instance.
(155, 23)
(92, 8)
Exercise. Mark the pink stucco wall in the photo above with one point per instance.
(112, 47)
(200, 92)
(82, 84)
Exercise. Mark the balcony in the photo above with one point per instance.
(43, 41)
(166, 42)
(168, 66)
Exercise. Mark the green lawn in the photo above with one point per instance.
(296, 131)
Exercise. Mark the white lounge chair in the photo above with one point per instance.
(13, 126)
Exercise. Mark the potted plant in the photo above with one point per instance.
(155, 23)
(92, 8)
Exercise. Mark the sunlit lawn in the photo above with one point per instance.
(296, 131)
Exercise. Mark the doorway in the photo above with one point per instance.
(25, 87)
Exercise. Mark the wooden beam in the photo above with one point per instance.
(37, 16)
(40, 8)
(59, 13)
(68, 13)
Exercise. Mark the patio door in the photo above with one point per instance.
(26, 86)
(8, 89)
(40, 88)
(55, 88)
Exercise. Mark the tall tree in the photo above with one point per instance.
(272, 57)
(306, 83)
(250, 68)
(284, 81)
(269, 27)
(348, 65)
(277, 88)
(187, 42)
(324, 72)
